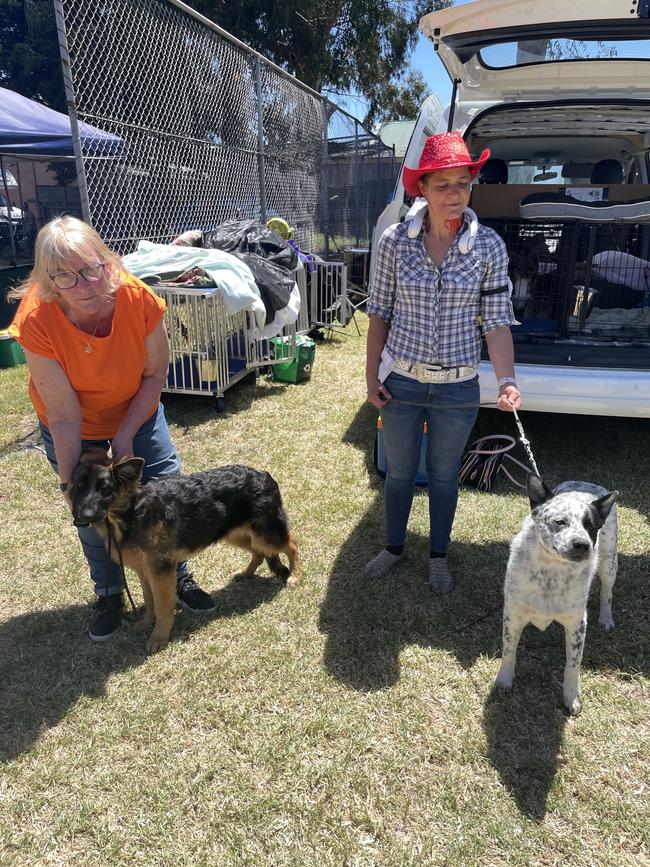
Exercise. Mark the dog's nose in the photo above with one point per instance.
(85, 516)
(580, 547)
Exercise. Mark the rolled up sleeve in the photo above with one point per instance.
(382, 296)
(496, 289)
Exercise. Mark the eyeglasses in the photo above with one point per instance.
(69, 279)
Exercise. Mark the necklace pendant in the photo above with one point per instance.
(88, 349)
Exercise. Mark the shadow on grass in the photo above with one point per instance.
(47, 662)
(31, 439)
(367, 622)
(525, 745)
(186, 410)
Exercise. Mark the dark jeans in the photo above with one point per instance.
(450, 410)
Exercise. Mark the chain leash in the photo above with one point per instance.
(525, 443)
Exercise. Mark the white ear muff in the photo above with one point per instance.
(468, 238)
(415, 217)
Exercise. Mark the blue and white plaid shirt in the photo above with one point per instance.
(436, 315)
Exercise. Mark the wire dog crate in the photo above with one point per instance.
(579, 278)
(328, 302)
(210, 348)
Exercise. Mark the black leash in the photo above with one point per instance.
(112, 541)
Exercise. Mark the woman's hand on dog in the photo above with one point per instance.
(121, 448)
(378, 394)
(509, 398)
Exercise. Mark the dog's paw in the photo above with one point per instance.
(292, 580)
(155, 643)
(606, 622)
(503, 682)
(282, 572)
(573, 704)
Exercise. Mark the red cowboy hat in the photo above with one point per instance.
(447, 150)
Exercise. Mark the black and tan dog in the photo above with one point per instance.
(163, 521)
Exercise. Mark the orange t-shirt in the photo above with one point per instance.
(105, 379)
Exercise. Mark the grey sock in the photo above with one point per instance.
(381, 564)
(440, 581)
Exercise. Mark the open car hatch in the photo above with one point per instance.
(511, 51)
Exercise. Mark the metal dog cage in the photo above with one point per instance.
(575, 278)
(210, 348)
(327, 297)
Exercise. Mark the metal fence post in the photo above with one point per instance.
(357, 197)
(325, 192)
(72, 110)
(383, 203)
(260, 138)
(10, 223)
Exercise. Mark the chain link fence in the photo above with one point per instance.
(197, 128)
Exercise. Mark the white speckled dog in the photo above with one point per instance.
(568, 537)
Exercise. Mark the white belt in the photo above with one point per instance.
(432, 372)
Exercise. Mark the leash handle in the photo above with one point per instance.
(525, 443)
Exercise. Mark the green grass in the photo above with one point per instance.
(346, 722)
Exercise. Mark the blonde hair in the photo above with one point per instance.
(55, 242)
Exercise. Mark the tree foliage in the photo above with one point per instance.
(401, 100)
(347, 45)
(354, 45)
(29, 51)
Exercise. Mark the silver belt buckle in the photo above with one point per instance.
(428, 373)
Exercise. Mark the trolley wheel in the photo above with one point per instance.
(219, 404)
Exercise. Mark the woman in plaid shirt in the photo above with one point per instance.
(441, 282)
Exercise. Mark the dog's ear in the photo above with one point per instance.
(538, 491)
(128, 470)
(603, 506)
(94, 455)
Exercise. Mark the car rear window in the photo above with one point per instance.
(508, 54)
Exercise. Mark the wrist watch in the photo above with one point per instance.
(506, 380)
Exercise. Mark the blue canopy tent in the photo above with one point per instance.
(29, 130)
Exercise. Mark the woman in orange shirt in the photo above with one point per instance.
(98, 355)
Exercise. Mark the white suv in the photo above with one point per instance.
(564, 107)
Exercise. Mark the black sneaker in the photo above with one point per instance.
(108, 618)
(190, 596)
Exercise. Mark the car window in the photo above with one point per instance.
(508, 54)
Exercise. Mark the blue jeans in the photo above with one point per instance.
(153, 443)
(450, 410)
